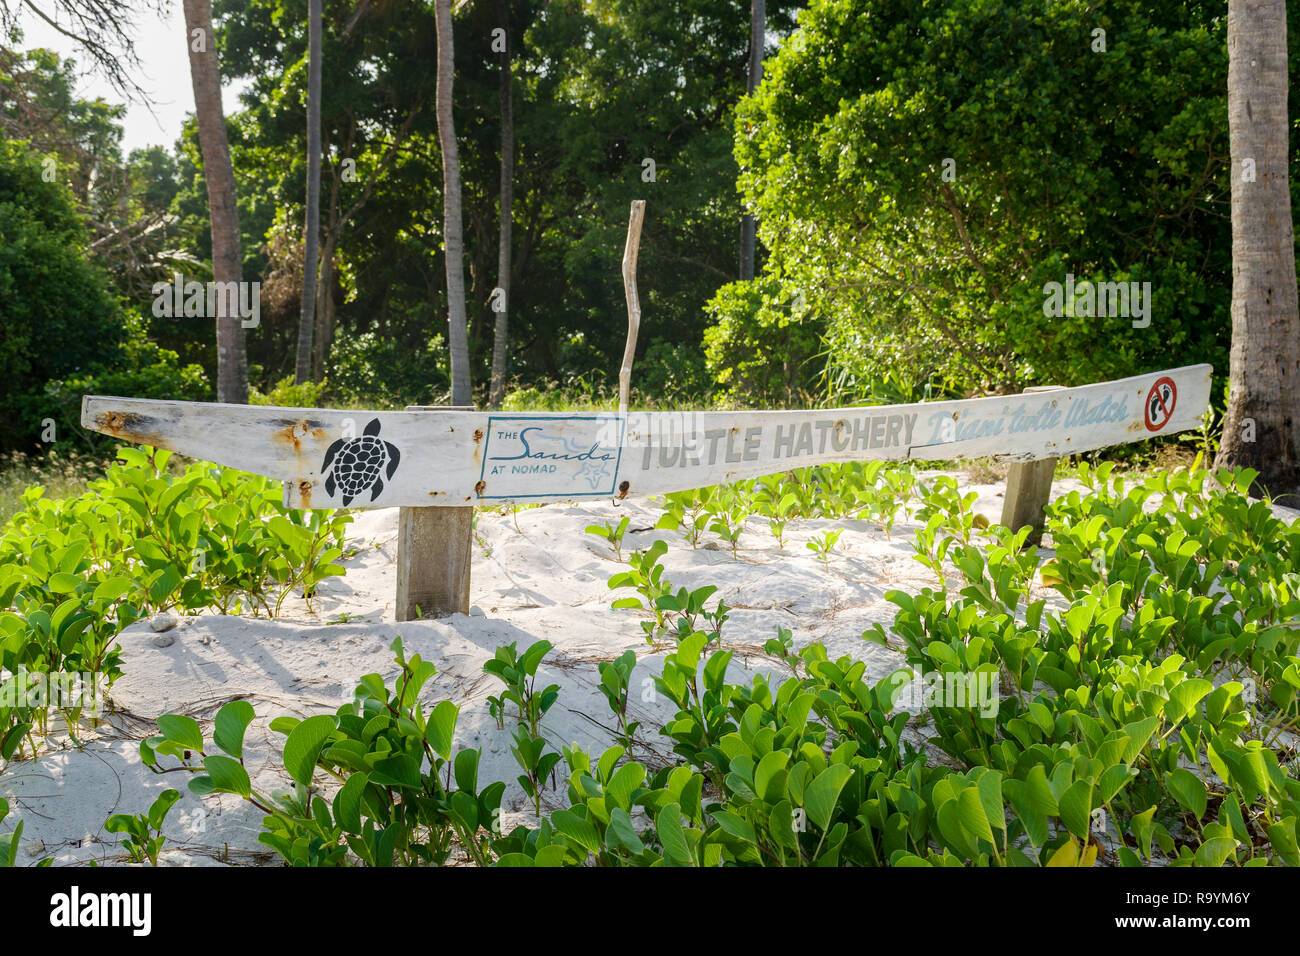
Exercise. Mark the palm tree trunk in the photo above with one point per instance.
(219, 175)
(501, 337)
(453, 240)
(1263, 416)
(757, 38)
(306, 315)
(324, 324)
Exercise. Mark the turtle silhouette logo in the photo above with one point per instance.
(354, 464)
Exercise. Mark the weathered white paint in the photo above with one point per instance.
(455, 458)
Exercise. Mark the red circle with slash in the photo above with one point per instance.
(1160, 403)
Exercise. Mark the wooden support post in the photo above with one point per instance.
(434, 548)
(1029, 488)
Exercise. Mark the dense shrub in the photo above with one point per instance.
(138, 367)
(56, 315)
(921, 170)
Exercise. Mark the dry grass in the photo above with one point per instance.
(985, 471)
(60, 475)
(1167, 456)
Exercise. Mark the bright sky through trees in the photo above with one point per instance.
(160, 47)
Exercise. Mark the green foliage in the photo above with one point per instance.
(689, 510)
(1143, 722)
(616, 685)
(9, 841)
(75, 571)
(611, 533)
(727, 509)
(144, 839)
(59, 474)
(753, 322)
(772, 499)
(287, 394)
(676, 613)
(519, 674)
(823, 546)
(83, 235)
(887, 157)
(536, 761)
(576, 81)
(1161, 662)
(821, 491)
(646, 576)
(56, 316)
(396, 805)
(139, 368)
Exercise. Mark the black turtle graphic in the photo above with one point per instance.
(357, 463)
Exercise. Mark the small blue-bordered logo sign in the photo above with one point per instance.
(566, 455)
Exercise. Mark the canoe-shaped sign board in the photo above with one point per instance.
(332, 458)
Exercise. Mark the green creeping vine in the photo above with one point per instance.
(676, 613)
(1145, 720)
(75, 572)
(396, 804)
(144, 837)
(823, 546)
(611, 533)
(1177, 651)
(519, 674)
(9, 841)
(875, 489)
(616, 685)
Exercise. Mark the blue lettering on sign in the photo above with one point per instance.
(539, 457)
(946, 427)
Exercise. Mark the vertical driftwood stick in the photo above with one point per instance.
(633, 303)
(434, 548)
(1029, 488)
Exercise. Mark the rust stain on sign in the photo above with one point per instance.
(294, 432)
(304, 491)
(129, 426)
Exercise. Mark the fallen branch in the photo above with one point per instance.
(633, 303)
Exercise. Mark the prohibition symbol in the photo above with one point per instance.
(1160, 403)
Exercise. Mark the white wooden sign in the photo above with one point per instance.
(332, 458)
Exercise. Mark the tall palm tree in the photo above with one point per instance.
(757, 38)
(501, 336)
(307, 313)
(453, 240)
(1262, 424)
(219, 175)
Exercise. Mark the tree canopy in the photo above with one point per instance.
(921, 171)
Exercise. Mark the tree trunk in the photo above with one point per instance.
(324, 324)
(324, 311)
(501, 337)
(1259, 429)
(757, 38)
(306, 316)
(219, 175)
(453, 241)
